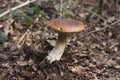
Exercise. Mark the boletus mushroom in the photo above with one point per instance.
(64, 27)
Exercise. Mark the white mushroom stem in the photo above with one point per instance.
(58, 50)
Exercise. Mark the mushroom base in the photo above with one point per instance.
(58, 50)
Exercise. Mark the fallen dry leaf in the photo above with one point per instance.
(77, 69)
(110, 62)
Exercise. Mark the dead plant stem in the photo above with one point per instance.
(17, 7)
(101, 28)
(61, 8)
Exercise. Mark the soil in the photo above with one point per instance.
(94, 56)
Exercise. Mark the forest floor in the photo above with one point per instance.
(88, 55)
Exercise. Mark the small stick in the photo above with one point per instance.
(61, 8)
(118, 9)
(82, 4)
(101, 28)
(17, 7)
(94, 14)
(22, 39)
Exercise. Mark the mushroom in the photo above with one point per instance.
(64, 27)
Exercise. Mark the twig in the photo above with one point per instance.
(17, 7)
(95, 7)
(118, 9)
(100, 29)
(82, 4)
(94, 14)
(22, 39)
(61, 8)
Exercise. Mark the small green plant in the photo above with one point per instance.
(35, 10)
(65, 11)
(27, 19)
(2, 36)
(46, 0)
(30, 10)
(68, 0)
(1, 11)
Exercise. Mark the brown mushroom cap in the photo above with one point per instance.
(66, 25)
